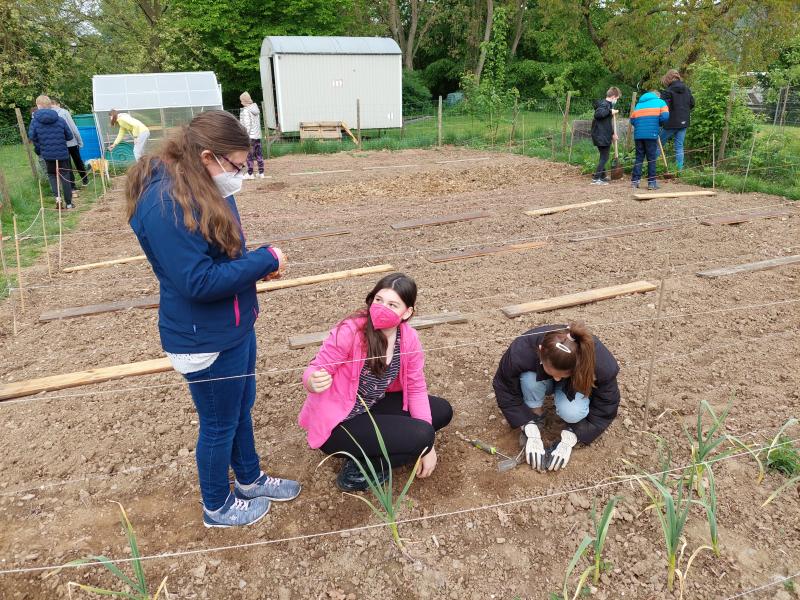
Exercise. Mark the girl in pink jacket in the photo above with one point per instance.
(376, 355)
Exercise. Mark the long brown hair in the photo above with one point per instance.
(375, 340)
(113, 115)
(578, 358)
(190, 183)
(669, 77)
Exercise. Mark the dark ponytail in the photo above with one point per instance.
(571, 351)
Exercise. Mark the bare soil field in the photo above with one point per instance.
(473, 533)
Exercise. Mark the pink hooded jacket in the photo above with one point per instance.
(343, 355)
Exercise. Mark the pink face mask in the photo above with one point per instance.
(383, 317)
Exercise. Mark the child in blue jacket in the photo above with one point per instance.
(180, 205)
(649, 114)
(49, 135)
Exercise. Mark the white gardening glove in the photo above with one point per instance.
(534, 448)
(560, 456)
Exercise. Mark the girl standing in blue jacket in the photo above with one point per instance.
(180, 205)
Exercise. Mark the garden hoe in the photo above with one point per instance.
(616, 168)
(504, 465)
(667, 174)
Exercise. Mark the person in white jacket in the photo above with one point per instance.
(250, 118)
(74, 145)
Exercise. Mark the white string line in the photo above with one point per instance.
(765, 586)
(565, 179)
(276, 371)
(128, 470)
(616, 480)
(36, 218)
(490, 237)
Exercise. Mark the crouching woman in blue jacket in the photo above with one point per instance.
(180, 205)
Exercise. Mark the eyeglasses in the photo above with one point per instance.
(238, 169)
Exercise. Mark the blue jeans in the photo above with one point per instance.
(680, 136)
(644, 148)
(534, 391)
(226, 428)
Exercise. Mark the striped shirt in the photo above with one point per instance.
(373, 388)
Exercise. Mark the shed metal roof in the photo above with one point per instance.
(307, 44)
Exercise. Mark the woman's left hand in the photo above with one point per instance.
(427, 464)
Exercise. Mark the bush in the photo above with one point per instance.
(711, 86)
(416, 95)
(441, 76)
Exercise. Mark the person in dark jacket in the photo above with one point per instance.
(680, 103)
(74, 146)
(603, 131)
(649, 114)
(574, 366)
(49, 135)
(180, 206)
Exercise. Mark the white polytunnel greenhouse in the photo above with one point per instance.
(318, 78)
(159, 100)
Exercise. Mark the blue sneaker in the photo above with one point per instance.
(236, 512)
(653, 186)
(274, 488)
(635, 185)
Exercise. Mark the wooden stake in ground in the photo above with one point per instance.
(26, 142)
(523, 132)
(513, 124)
(19, 265)
(358, 122)
(566, 119)
(749, 160)
(724, 141)
(656, 327)
(713, 161)
(629, 139)
(44, 231)
(60, 207)
(7, 280)
(571, 140)
(439, 123)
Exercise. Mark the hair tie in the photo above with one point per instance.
(570, 338)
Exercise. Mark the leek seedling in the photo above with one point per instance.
(582, 548)
(137, 584)
(672, 513)
(600, 533)
(386, 506)
(683, 574)
(710, 505)
(704, 444)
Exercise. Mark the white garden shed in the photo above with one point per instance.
(312, 79)
(159, 100)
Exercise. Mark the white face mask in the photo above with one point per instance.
(227, 183)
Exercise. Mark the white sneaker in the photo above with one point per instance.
(249, 176)
(261, 176)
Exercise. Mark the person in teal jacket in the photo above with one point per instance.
(648, 116)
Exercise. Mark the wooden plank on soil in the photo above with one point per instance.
(586, 297)
(152, 301)
(754, 266)
(443, 220)
(486, 251)
(655, 195)
(749, 216)
(621, 232)
(96, 309)
(538, 212)
(68, 380)
(305, 235)
(317, 337)
(105, 263)
(280, 284)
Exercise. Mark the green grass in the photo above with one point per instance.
(24, 191)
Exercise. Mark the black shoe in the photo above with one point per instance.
(350, 478)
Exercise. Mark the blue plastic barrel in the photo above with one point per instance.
(91, 145)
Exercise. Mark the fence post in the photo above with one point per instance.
(713, 161)
(778, 107)
(358, 122)
(724, 141)
(44, 228)
(523, 132)
(571, 139)
(5, 196)
(25, 141)
(629, 139)
(19, 264)
(439, 123)
(785, 101)
(513, 124)
(749, 160)
(266, 127)
(566, 118)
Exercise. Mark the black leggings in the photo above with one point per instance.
(600, 172)
(404, 436)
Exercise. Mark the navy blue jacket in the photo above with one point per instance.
(523, 355)
(208, 300)
(49, 134)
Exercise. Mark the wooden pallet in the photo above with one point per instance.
(750, 216)
(320, 130)
(515, 310)
(317, 337)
